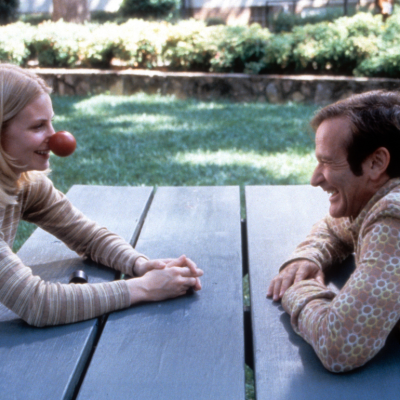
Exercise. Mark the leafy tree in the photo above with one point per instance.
(149, 8)
(8, 11)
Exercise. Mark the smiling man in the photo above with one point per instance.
(357, 146)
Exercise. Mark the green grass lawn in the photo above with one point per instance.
(163, 141)
(154, 140)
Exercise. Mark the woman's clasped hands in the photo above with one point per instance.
(162, 279)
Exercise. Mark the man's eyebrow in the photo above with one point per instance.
(320, 157)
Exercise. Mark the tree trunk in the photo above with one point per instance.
(345, 7)
(71, 10)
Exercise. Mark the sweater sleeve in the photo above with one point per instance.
(348, 329)
(52, 211)
(329, 242)
(42, 303)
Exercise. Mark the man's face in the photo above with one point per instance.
(349, 193)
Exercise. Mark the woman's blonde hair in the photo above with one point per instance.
(18, 88)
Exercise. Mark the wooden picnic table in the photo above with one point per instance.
(192, 347)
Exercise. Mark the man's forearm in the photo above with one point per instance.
(328, 242)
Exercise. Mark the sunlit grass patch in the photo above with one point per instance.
(278, 165)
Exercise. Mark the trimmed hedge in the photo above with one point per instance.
(361, 45)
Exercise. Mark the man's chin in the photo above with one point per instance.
(334, 212)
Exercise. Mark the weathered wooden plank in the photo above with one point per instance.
(46, 363)
(190, 347)
(286, 367)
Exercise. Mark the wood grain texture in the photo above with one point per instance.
(46, 363)
(190, 347)
(286, 367)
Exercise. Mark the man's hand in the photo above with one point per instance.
(294, 272)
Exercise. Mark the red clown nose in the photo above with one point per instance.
(62, 144)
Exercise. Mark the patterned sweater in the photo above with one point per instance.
(349, 328)
(42, 303)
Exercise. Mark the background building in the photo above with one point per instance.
(46, 6)
(232, 12)
(250, 11)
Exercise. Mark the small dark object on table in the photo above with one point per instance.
(78, 276)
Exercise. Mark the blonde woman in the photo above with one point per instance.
(26, 193)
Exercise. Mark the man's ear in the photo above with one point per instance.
(378, 162)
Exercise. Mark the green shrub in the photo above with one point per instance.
(8, 11)
(99, 47)
(239, 48)
(140, 43)
(386, 64)
(385, 61)
(362, 24)
(279, 54)
(363, 36)
(285, 22)
(57, 44)
(392, 26)
(336, 47)
(318, 47)
(14, 43)
(361, 45)
(189, 46)
(149, 8)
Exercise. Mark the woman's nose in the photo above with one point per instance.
(50, 131)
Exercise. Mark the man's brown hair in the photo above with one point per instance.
(375, 122)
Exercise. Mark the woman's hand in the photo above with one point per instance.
(142, 266)
(184, 262)
(168, 282)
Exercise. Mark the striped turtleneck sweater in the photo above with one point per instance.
(42, 303)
